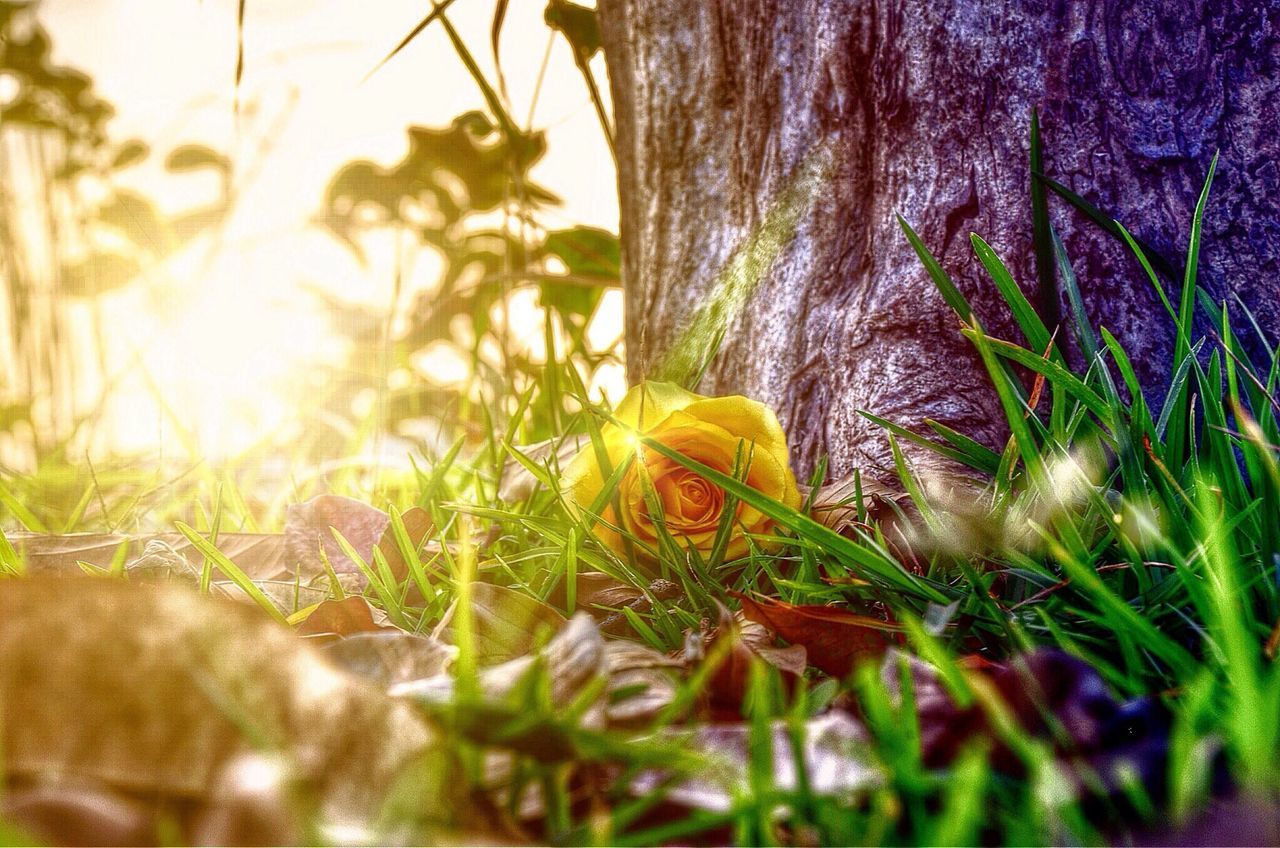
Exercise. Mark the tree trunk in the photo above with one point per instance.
(923, 108)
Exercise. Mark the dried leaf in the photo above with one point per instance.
(253, 803)
(259, 555)
(1053, 696)
(837, 763)
(388, 657)
(155, 688)
(159, 561)
(79, 815)
(506, 623)
(642, 682)
(572, 659)
(746, 643)
(331, 618)
(596, 589)
(285, 595)
(309, 526)
(835, 639)
(835, 503)
(419, 526)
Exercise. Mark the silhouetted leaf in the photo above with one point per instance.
(99, 273)
(586, 252)
(130, 153)
(194, 157)
(578, 23)
(188, 225)
(138, 220)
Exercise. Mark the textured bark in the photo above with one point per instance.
(926, 106)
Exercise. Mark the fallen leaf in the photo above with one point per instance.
(505, 623)
(251, 804)
(259, 555)
(642, 683)
(388, 657)
(742, 643)
(834, 639)
(309, 526)
(1050, 695)
(78, 815)
(160, 561)
(418, 526)
(605, 596)
(155, 689)
(285, 595)
(835, 755)
(571, 660)
(332, 618)
(595, 588)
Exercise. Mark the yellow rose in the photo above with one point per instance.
(708, 430)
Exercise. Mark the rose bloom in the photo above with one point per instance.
(708, 430)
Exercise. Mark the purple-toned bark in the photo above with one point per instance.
(926, 107)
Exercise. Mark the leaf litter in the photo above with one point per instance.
(387, 695)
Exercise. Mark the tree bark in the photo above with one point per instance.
(924, 109)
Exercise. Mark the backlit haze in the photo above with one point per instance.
(227, 331)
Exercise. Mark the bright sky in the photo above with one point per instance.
(224, 332)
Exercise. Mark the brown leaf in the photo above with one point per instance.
(390, 656)
(604, 597)
(835, 639)
(332, 618)
(309, 526)
(418, 526)
(593, 589)
(154, 688)
(834, 754)
(159, 561)
(572, 659)
(78, 815)
(286, 596)
(642, 682)
(505, 623)
(743, 642)
(835, 503)
(259, 555)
